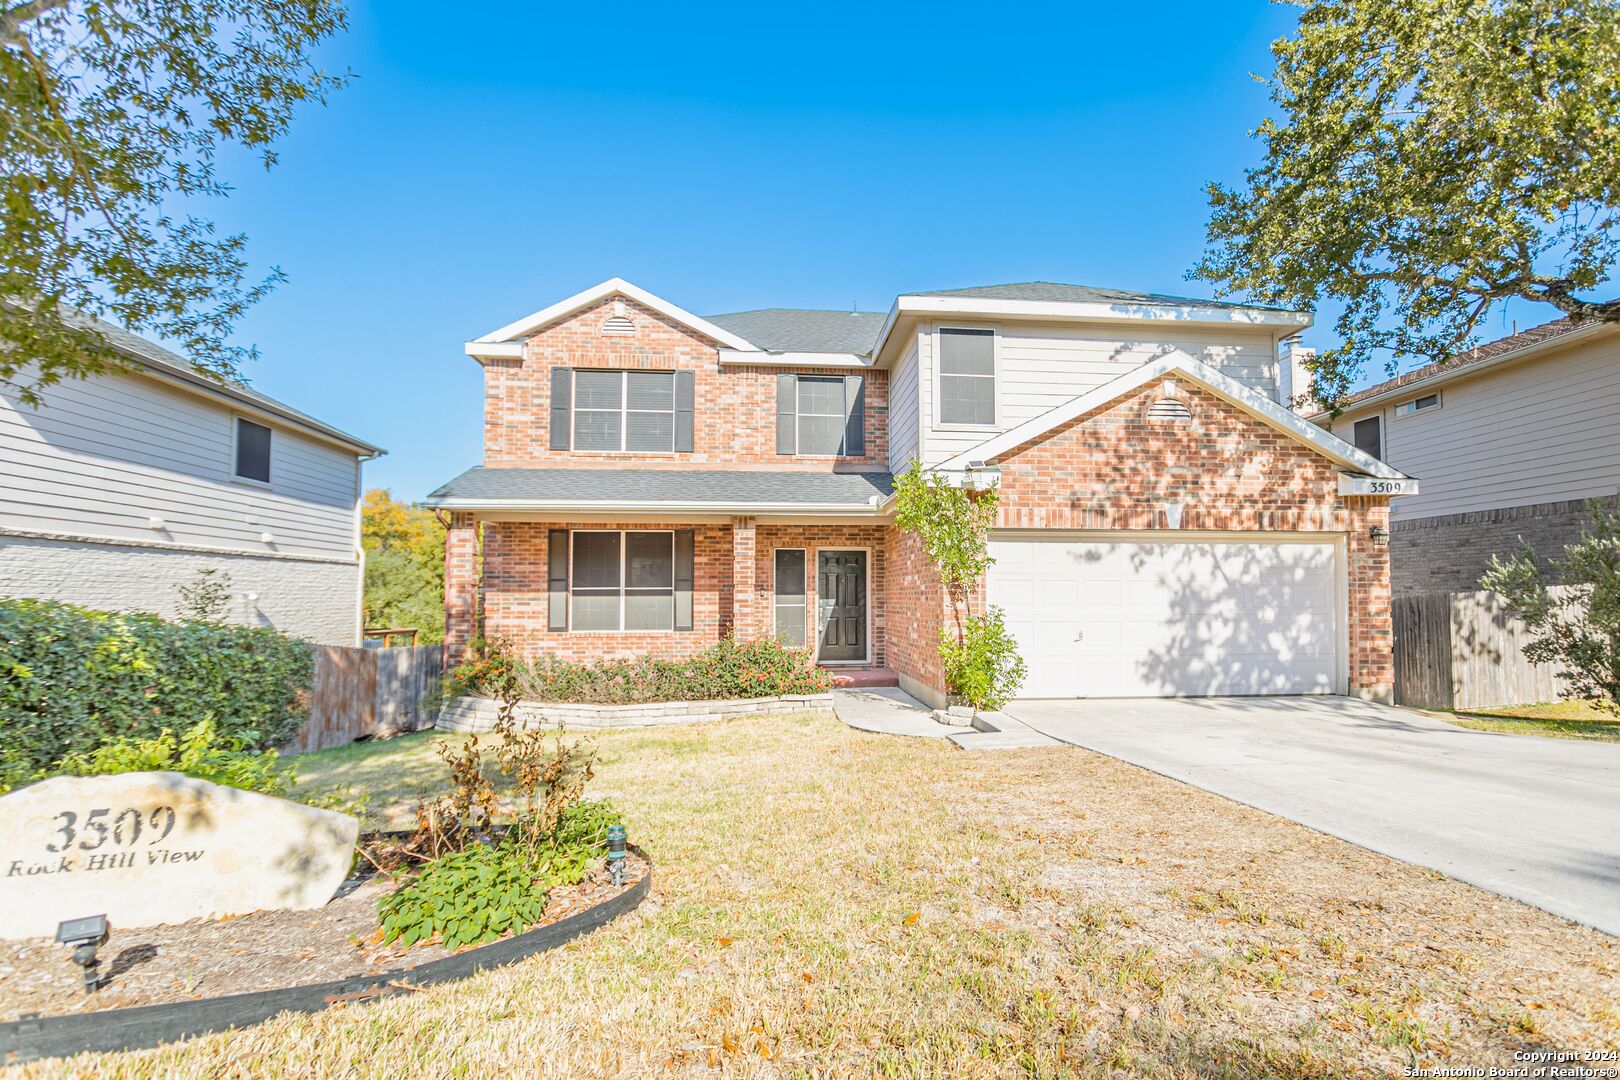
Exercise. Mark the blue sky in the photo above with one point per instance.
(479, 168)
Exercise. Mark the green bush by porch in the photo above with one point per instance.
(727, 670)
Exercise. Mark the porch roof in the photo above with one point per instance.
(739, 490)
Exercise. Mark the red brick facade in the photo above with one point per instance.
(1112, 469)
(735, 416)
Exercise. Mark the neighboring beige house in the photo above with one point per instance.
(120, 489)
(1510, 440)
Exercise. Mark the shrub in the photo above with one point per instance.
(984, 666)
(201, 752)
(726, 670)
(1578, 627)
(467, 897)
(72, 680)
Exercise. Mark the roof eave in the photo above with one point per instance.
(527, 325)
(616, 505)
(1453, 371)
(735, 357)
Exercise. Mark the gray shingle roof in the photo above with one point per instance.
(1056, 292)
(1477, 355)
(609, 488)
(146, 354)
(794, 330)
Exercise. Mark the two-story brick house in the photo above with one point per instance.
(654, 480)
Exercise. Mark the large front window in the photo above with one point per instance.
(623, 580)
(624, 410)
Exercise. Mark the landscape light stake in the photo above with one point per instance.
(85, 936)
(615, 841)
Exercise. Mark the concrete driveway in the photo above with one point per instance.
(1531, 818)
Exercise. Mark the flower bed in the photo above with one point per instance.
(469, 713)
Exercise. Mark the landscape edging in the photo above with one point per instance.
(475, 714)
(144, 1026)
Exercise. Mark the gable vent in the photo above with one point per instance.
(618, 324)
(1169, 410)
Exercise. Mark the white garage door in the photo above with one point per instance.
(1184, 618)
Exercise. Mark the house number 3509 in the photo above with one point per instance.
(100, 826)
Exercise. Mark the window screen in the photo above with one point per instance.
(624, 410)
(623, 581)
(1369, 436)
(252, 451)
(790, 607)
(967, 376)
(821, 415)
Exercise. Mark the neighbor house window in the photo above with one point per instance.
(252, 451)
(790, 593)
(624, 410)
(1417, 405)
(967, 376)
(1368, 436)
(623, 580)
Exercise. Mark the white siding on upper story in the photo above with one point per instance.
(1041, 366)
(102, 457)
(1544, 430)
(904, 414)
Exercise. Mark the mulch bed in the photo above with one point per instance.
(267, 950)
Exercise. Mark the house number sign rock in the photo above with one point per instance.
(160, 847)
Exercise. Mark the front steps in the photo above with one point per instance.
(861, 678)
(992, 731)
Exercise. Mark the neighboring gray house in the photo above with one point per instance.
(1510, 440)
(121, 488)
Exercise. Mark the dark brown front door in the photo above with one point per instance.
(841, 605)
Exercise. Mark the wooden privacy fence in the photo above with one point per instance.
(1464, 651)
(360, 692)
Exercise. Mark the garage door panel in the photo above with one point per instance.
(1196, 617)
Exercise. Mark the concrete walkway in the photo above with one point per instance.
(1532, 818)
(887, 711)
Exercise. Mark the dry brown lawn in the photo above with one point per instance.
(832, 903)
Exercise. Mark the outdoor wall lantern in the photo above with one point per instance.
(1379, 534)
(84, 936)
(615, 841)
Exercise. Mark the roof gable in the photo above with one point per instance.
(499, 343)
(1222, 386)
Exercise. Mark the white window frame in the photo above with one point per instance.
(995, 375)
(1410, 407)
(843, 415)
(237, 420)
(624, 413)
(624, 579)
(804, 595)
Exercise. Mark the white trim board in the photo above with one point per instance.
(522, 328)
(1222, 386)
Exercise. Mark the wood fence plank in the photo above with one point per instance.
(1464, 651)
(359, 692)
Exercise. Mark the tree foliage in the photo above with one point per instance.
(111, 116)
(404, 566)
(1577, 627)
(953, 524)
(1430, 159)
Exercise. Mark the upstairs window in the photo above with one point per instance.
(1417, 405)
(624, 411)
(967, 376)
(821, 415)
(1368, 436)
(252, 451)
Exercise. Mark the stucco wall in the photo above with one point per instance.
(303, 598)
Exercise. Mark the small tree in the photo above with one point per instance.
(1577, 628)
(954, 527)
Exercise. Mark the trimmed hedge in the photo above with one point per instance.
(72, 679)
(727, 670)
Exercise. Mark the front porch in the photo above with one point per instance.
(586, 590)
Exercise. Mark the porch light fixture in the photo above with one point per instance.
(84, 936)
(615, 844)
(981, 477)
(1379, 534)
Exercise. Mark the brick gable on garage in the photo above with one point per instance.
(1116, 468)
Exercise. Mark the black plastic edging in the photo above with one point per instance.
(151, 1025)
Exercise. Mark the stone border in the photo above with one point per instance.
(151, 1025)
(478, 714)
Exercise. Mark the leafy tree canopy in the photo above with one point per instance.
(111, 114)
(1430, 159)
(404, 566)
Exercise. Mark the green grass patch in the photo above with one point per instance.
(1552, 720)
